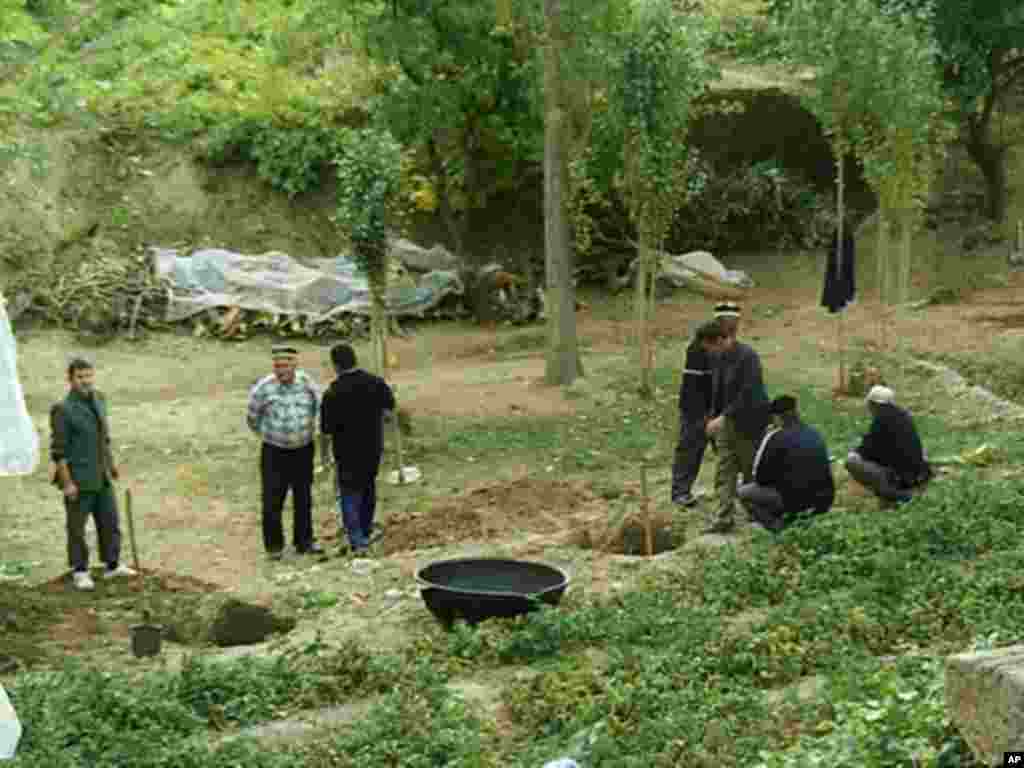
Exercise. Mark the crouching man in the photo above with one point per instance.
(890, 459)
(792, 472)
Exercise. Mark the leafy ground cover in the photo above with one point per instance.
(656, 672)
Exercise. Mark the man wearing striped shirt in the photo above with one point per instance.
(283, 410)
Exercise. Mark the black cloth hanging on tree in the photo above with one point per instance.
(840, 283)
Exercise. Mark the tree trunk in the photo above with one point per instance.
(378, 318)
(640, 314)
(840, 227)
(906, 253)
(991, 161)
(562, 356)
(449, 217)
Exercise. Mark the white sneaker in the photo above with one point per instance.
(121, 570)
(83, 581)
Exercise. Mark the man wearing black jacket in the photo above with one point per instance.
(739, 405)
(791, 473)
(694, 406)
(890, 458)
(352, 420)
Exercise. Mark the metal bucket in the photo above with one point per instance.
(146, 639)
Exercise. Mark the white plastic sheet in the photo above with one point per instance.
(10, 727)
(19, 443)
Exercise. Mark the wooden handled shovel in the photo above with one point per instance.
(131, 531)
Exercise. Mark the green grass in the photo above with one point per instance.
(652, 674)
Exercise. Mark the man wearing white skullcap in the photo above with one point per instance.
(890, 459)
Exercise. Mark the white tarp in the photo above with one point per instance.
(19, 443)
(703, 264)
(274, 282)
(697, 271)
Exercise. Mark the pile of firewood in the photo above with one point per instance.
(97, 296)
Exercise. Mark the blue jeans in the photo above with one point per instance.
(355, 513)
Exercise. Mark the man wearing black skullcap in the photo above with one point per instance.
(283, 409)
(792, 472)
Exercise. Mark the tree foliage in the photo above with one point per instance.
(980, 51)
(655, 73)
(464, 90)
(369, 165)
(17, 24)
(878, 94)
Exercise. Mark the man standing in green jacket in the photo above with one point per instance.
(80, 449)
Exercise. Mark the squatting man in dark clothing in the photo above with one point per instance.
(739, 408)
(792, 472)
(282, 410)
(890, 459)
(81, 451)
(352, 420)
(694, 406)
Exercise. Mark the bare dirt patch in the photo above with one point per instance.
(464, 390)
(52, 620)
(526, 505)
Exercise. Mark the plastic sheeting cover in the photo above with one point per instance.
(274, 282)
(19, 443)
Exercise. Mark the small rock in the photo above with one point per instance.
(363, 566)
(393, 594)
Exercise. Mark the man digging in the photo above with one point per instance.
(85, 470)
(282, 410)
(352, 420)
(694, 405)
(739, 405)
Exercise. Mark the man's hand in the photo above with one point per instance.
(715, 425)
(70, 490)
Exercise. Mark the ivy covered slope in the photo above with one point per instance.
(269, 80)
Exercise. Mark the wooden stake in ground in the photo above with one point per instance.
(646, 507)
(841, 214)
(398, 446)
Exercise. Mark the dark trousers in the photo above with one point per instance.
(356, 508)
(101, 506)
(281, 469)
(879, 479)
(764, 504)
(689, 454)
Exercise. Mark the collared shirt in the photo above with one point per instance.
(284, 415)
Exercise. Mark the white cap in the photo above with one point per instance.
(881, 395)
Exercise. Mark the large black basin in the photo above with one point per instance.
(475, 589)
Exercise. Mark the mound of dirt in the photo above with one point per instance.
(628, 536)
(523, 505)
